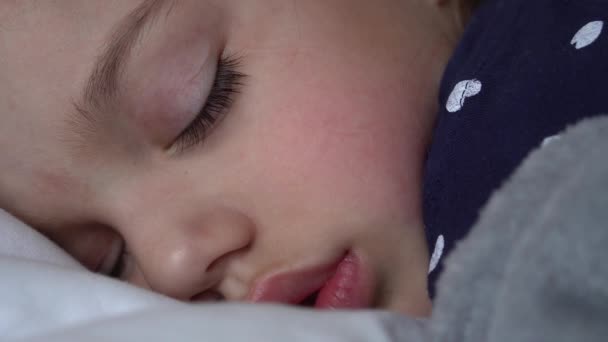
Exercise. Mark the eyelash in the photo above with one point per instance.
(227, 83)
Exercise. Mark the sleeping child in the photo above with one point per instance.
(317, 153)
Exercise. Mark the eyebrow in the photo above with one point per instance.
(103, 85)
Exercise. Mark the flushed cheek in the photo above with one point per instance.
(347, 155)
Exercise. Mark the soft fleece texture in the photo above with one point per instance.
(533, 269)
(534, 266)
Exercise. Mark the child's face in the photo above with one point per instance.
(320, 153)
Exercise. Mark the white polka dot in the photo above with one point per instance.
(550, 140)
(437, 253)
(462, 91)
(587, 35)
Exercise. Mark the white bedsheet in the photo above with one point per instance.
(47, 296)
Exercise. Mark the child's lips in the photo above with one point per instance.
(341, 284)
(349, 288)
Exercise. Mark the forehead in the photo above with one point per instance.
(54, 41)
(48, 48)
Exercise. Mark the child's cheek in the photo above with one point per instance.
(337, 148)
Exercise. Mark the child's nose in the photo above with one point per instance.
(188, 261)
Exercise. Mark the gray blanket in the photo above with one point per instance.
(535, 266)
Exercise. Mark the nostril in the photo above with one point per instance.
(208, 296)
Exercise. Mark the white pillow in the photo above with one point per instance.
(246, 323)
(20, 241)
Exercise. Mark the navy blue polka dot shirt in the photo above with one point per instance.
(523, 71)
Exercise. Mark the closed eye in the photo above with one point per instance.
(226, 85)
